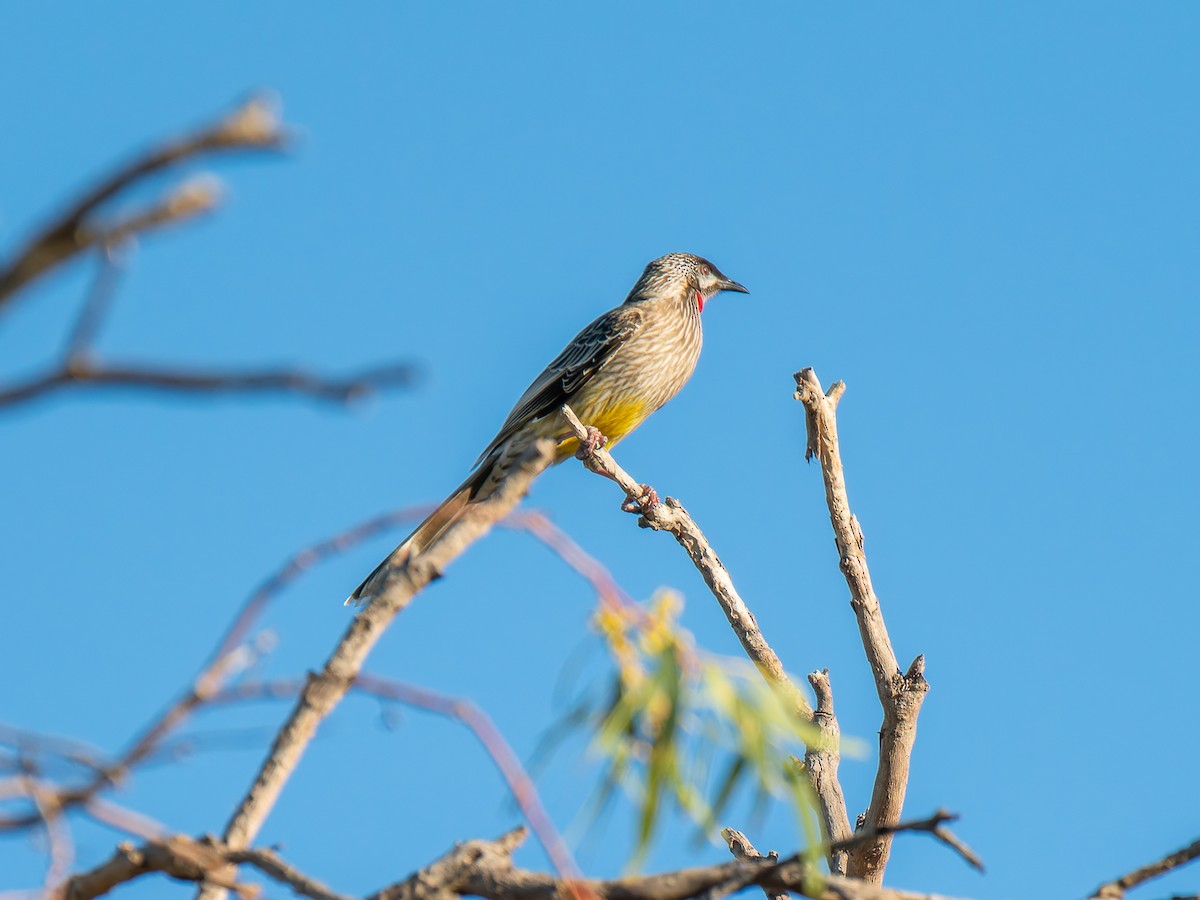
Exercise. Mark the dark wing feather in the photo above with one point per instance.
(586, 355)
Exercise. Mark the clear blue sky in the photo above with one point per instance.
(983, 217)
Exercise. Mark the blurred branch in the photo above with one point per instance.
(741, 848)
(900, 694)
(81, 373)
(83, 227)
(464, 712)
(231, 656)
(1115, 890)
(252, 126)
(58, 835)
(325, 690)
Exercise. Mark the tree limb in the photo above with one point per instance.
(204, 861)
(252, 126)
(900, 694)
(82, 373)
(325, 690)
(485, 869)
(672, 517)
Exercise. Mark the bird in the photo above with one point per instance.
(619, 369)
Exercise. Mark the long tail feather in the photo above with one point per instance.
(435, 525)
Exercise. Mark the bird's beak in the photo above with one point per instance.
(726, 285)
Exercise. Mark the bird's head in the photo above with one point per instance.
(682, 273)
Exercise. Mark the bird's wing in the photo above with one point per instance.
(587, 354)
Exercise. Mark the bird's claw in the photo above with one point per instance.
(590, 444)
(647, 501)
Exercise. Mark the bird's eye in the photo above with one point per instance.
(704, 270)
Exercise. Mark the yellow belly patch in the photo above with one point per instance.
(614, 423)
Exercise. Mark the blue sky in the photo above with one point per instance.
(982, 217)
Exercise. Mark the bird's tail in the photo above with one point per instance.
(435, 525)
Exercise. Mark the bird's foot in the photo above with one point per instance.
(593, 442)
(647, 501)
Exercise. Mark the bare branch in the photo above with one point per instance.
(126, 820)
(229, 657)
(934, 824)
(81, 373)
(325, 690)
(252, 126)
(269, 863)
(98, 302)
(58, 835)
(1115, 890)
(900, 695)
(672, 517)
(479, 868)
(502, 754)
(485, 869)
(741, 848)
(821, 759)
(187, 859)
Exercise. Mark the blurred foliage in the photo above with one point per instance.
(680, 728)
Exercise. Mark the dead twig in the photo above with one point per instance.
(1115, 889)
(934, 824)
(741, 848)
(821, 759)
(900, 693)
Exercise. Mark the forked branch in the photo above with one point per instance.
(900, 693)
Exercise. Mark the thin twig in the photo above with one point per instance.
(900, 694)
(126, 820)
(934, 824)
(672, 517)
(269, 863)
(1115, 890)
(58, 835)
(80, 373)
(741, 848)
(519, 783)
(96, 305)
